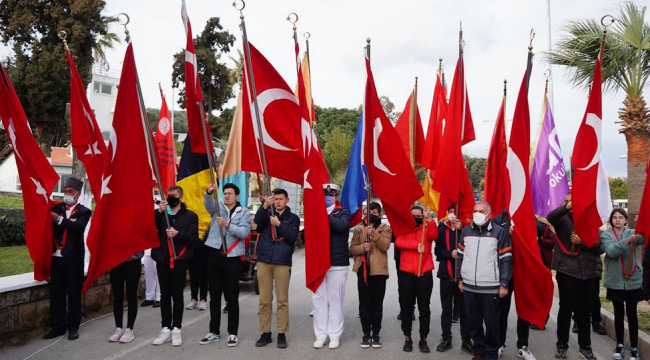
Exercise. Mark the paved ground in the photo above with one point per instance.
(93, 342)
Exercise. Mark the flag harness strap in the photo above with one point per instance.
(564, 249)
(169, 248)
(65, 232)
(624, 270)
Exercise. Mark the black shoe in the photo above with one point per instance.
(225, 309)
(634, 354)
(365, 341)
(599, 328)
(147, 303)
(455, 319)
(399, 316)
(264, 340)
(408, 345)
(282, 340)
(376, 341)
(73, 334)
(467, 346)
(156, 304)
(53, 333)
(534, 327)
(424, 347)
(586, 353)
(561, 352)
(574, 329)
(444, 345)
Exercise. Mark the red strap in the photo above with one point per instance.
(365, 270)
(449, 261)
(623, 267)
(65, 232)
(564, 249)
(171, 257)
(232, 247)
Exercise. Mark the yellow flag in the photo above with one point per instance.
(434, 197)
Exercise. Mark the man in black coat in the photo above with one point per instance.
(69, 220)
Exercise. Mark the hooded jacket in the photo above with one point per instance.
(380, 240)
(187, 224)
(617, 251)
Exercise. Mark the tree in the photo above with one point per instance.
(618, 188)
(328, 119)
(476, 171)
(626, 67)
(215, 77)
(389, 109)
(336, 152)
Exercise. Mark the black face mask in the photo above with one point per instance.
(418, 220)
(172, 201)
(375, 219)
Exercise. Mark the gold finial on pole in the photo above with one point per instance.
(240, 9)
(532, 36)
(606, 21)
(293, 19)
(547, 75)
(124, 19)
(63, 35)
(505, 87)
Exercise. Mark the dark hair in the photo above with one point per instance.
(281, 191)
(375, 206)
(173, 188)
(418, 207)
(620, 211)
(231, 186)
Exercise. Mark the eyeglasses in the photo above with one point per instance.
(618, 218)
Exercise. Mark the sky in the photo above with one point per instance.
(407, 38)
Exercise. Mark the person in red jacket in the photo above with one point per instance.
(412, 287)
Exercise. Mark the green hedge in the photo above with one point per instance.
(12, 223)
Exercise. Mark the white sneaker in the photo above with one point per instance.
(128, 336)
(318, 344)
(176, 337)
(334, 344)
(525, 353)
(210, 338)
(192, 305)
(501, 350)
(232, 340)
(164, 336)
(311, 313)
(116, 336)
(202, 305)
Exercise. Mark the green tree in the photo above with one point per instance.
(625, 67)
(215, 77)
(476, 171)
(328, 119)
(336, 152)
(618, 188)
(389, 109)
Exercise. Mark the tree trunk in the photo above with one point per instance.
(638, 150)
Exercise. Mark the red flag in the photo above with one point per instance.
(532, 278)
(588, 212)
(280, 123)
(403, 130)
(124, 222)
(643, 224)
(193, 94)
(467, 125)
(86, 136)
(165, 148)
(436, 120)
(37, 178)
(495, 177)
(387, 168)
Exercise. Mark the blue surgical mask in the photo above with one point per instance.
(329, 201)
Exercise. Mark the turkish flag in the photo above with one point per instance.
(403, 128)
(87, 138)
(391, 176)
(280, 123)
(532, 278)
(193, 94)
(588, 212)
(37, 178)
(165, 148)
(495, 177)
(431, 148)
(124, 222)
(643, 224)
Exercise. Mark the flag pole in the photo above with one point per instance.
(251, 78)
(461, 50)
(307, 35)
(529, 63)
(147, 135)
(366, 178)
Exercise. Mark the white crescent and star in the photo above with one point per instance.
(517, 181)
(596, 123)
(39, 189)
(264, 100)
(93, 149)
(376, 161)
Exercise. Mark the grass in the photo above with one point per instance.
(11, 202)
(15, 260)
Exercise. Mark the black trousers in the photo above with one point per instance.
(127, 273)
(172, 284)
(371, 301)
(199, 274)
(223, 275)
(414, 289)
(66, 278)
(452, 299)
(594, 310)
(483, 308)
(620, 309)
(523, 331)
(576, 296)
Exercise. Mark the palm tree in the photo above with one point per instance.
(105, 41)
(237, 71)
(625, 67)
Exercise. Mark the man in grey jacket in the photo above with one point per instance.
(484, 268)
(228, 231)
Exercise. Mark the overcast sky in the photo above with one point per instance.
(408, 37)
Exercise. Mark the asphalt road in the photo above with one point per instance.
(93, 343)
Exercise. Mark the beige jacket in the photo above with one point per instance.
(378, 251)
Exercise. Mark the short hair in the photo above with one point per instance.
(375, 206)
(620, 211)
(281, 191)
(418, 207)
(231, 186)
(486, 204)
(174, 188)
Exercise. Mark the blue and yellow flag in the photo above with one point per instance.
(194, 178)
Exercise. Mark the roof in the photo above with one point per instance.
(62, 156)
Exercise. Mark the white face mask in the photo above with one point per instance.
(68, 199)
(479, 219)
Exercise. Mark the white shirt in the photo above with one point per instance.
(68, 212)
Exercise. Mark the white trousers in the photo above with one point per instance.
(327, 302)
(152, 288)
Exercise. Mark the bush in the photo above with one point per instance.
(13, 229)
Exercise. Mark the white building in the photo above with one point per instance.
(102, 94)
(10, 182)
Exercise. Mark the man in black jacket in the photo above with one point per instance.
(575, 267)
(279, 228)
(450, 296)
(183, 230)
(69, 220)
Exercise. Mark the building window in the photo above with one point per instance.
(102, 88)
(18, 187)
(59, 187)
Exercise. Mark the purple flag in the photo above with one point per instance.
(548, 177)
